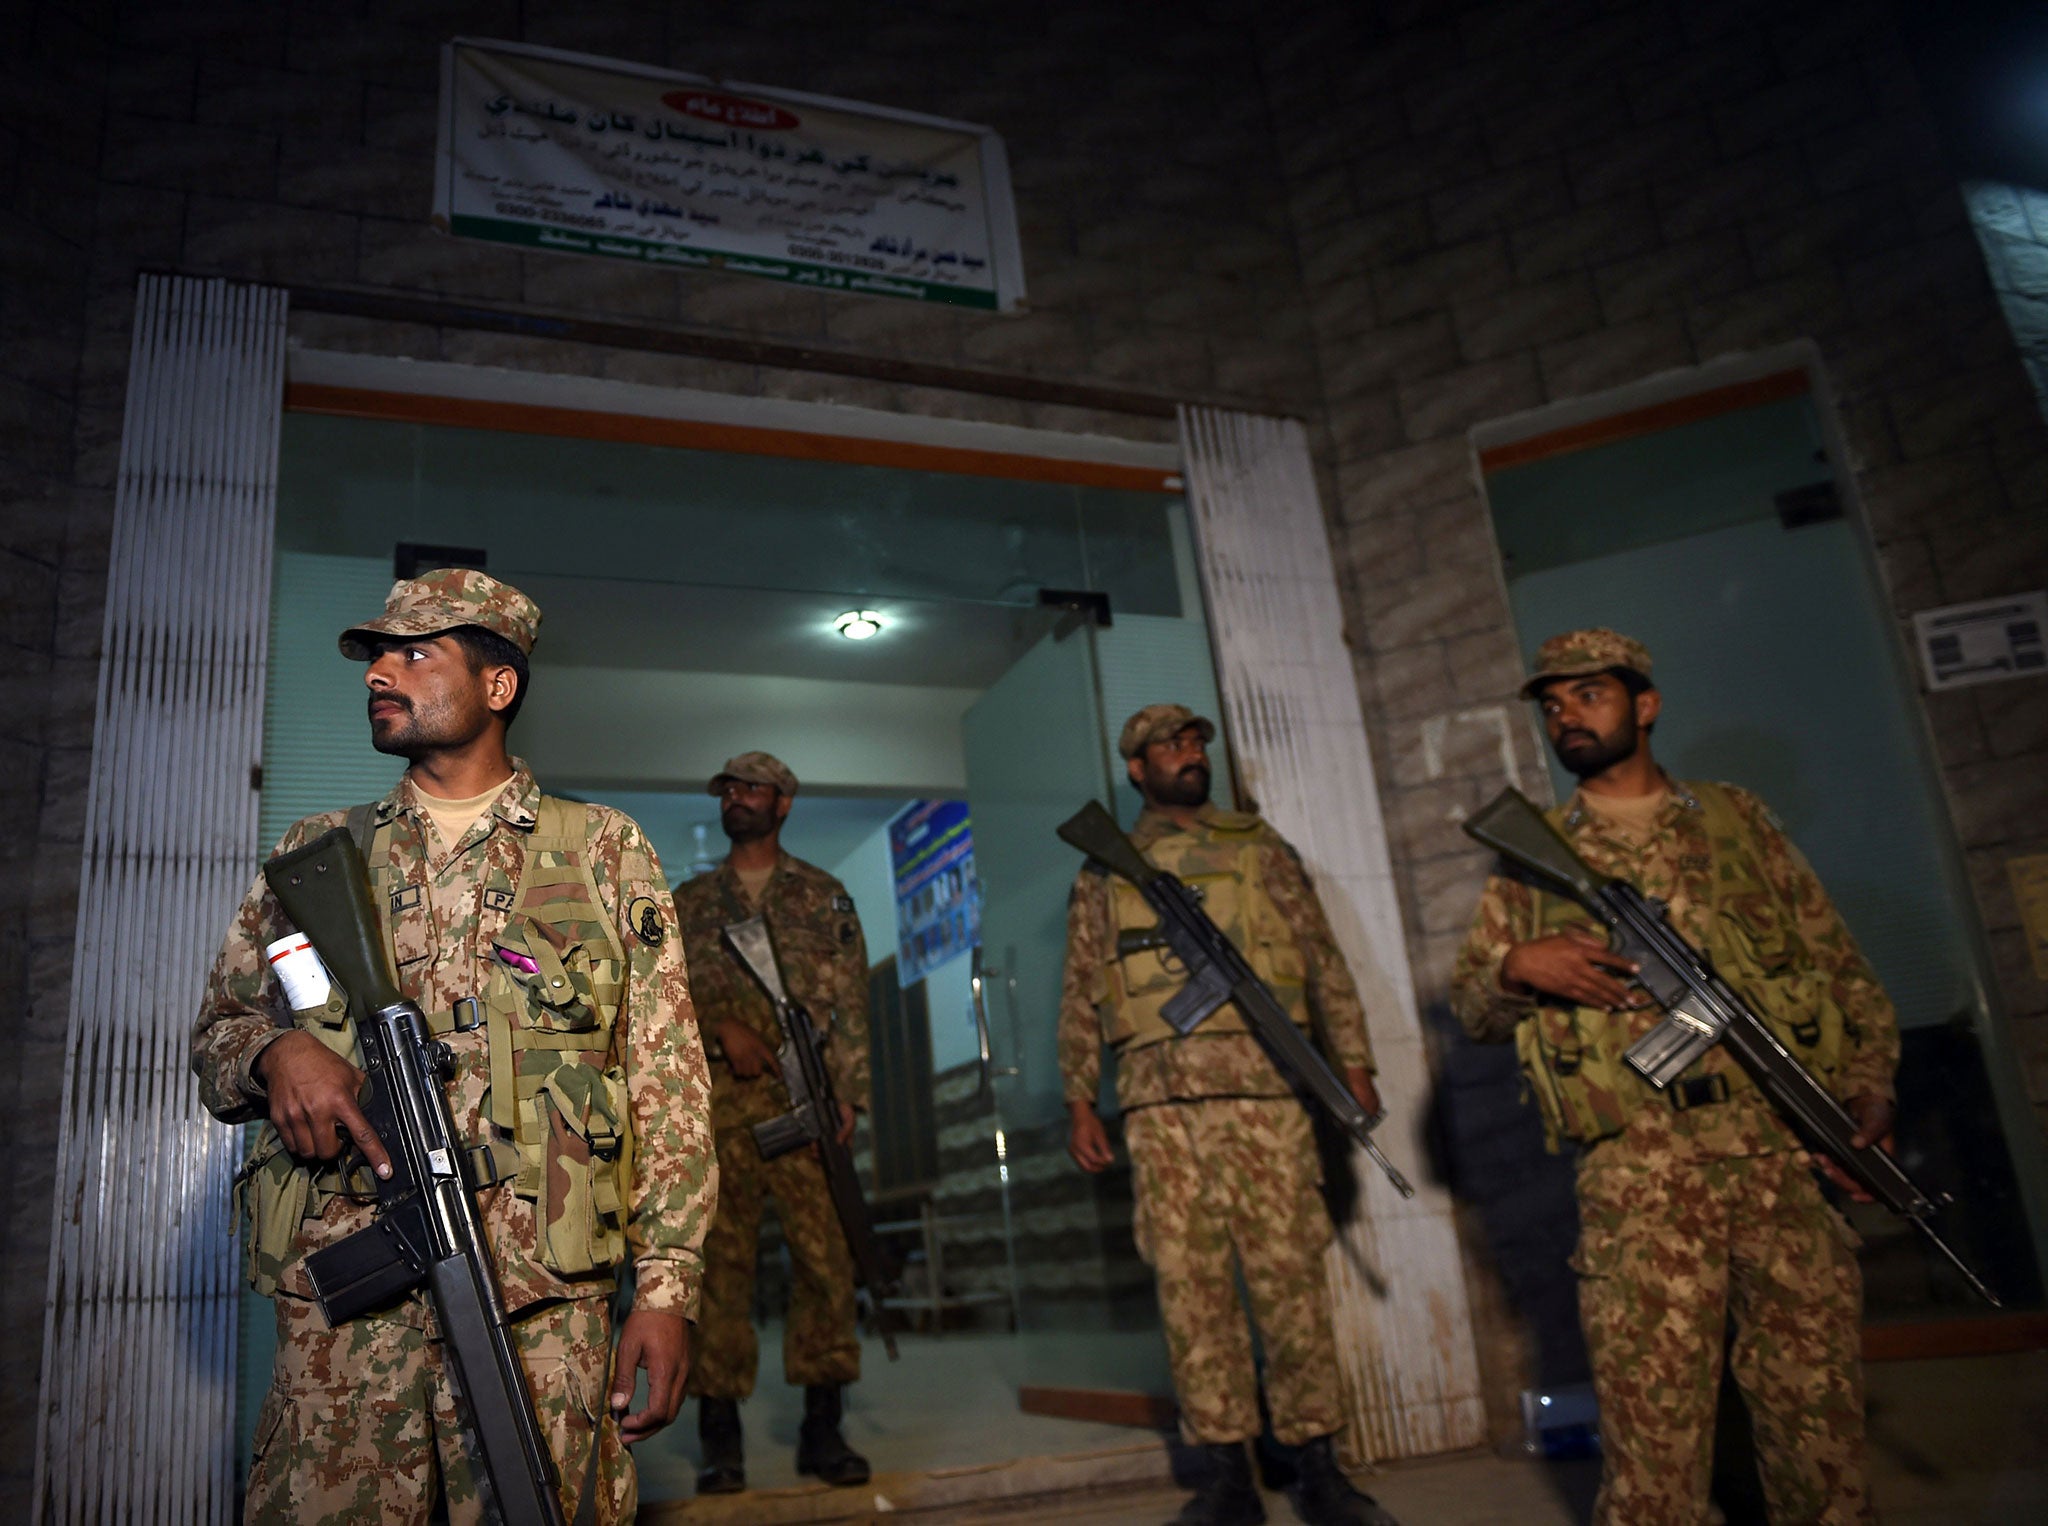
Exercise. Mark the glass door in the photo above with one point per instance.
(1038, 749)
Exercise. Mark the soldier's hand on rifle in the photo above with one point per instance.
(745, 1050)
(1087, 1139)
(312, 1093)
(846, 1118)
(1573, 964)
(1359, 1079)
(1873, 1117)
(660, 1342)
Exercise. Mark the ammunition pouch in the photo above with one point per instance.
(1221, 863)
(558, 1123)
(1572, 1057)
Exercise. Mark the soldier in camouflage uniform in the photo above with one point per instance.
(824, 962)
(515, 920)
(1223, 1156)
(1697, 1208)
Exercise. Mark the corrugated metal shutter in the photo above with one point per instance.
(139, 1335)
(1397, 1286)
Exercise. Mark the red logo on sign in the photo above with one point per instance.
(731, 110)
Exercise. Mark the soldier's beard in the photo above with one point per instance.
(744, 825)
(1589, 756)
(1188, 787)
(423, 729)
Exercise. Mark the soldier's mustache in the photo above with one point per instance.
(389, 699)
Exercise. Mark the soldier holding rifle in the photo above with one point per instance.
(1223, 1155)
(824, 960)
(1698, 1208)
(537, 936)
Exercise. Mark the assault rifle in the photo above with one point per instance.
(1701, 1010)
(1218, 973)
(813, 1117)
(426, 1230)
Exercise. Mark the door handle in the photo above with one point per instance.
(977, 985)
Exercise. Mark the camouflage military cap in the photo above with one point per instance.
(1155, 723)
(756, 768)
(441, 600)
(1577, 653)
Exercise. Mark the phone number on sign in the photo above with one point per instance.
(836, 257)
(549, 215)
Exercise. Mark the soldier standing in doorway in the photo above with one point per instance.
(478, 877)
(825, 966)
(1223, 1155)
(1697, 1207)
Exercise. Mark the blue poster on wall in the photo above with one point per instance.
(938, 898)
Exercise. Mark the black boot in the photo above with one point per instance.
(1323, 1496)
(1226, 1495)
(725, 1457)
(820, 1450)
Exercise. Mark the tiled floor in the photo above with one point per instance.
(1953, 1441)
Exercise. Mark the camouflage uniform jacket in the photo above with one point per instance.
(443, 942)
(1679, 862)
(1202, 1064)
(824, 961)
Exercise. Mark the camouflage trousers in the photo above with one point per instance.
(1671, 1254)
(1227, 1186)
(359, 1424)
(819, 1344)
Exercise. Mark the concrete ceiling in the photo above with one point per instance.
(645, 624)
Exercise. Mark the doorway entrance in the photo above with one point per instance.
(693, 601)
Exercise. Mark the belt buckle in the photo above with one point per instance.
(476, 1014)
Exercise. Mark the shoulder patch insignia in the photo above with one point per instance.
(842, 903)
(644, 917)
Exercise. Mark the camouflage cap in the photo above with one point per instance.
(1155, 723)
(1577, 653)
(441, 600)
(756, 768)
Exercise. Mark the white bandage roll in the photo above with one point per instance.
(305, 979)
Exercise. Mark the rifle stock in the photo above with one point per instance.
(426, 1230)
(325, 890)
(1701, 1010)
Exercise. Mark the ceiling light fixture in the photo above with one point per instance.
(858, 624)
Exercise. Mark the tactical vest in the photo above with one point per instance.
(1221, 863)
(1571, 1057)
(559, 1124)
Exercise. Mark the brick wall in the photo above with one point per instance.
(1395, 219)
(52, 556)
(1506, 205)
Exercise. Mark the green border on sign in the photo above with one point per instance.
(648, 252)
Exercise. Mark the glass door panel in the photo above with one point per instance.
(1037, 749)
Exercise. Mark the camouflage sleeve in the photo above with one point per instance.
(1083, 986)
(1506, 916)
(243, 1011)
(705, 963)
(847, 1055)
(1332, 992)
(675, 1172)
(1870, 1023)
